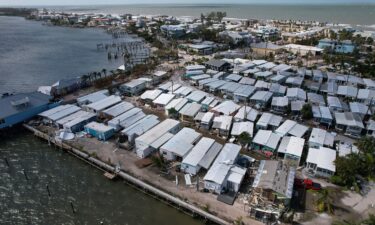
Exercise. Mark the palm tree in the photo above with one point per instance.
(325, 201)
(104, 71)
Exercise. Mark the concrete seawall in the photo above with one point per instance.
(137, 182)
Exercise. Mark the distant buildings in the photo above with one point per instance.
(345, 46)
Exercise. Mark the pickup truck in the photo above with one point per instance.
(307, 184)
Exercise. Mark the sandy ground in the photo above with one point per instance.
(108, 152)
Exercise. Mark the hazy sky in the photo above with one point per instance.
(93, 2)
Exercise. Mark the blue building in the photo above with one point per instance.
(18, 108)
(345, 46)
(99, 130)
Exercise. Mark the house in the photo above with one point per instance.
(99, 106)
(265, 48)
(243, 93)
(183, 91)
(116, 122)
(296, 107)
(117, 110)
(158, 76)
(360, 109)
(315, 99)
(139, 128)
(303, 50)
(173, 31)
(57, 113)
(177, 104)
(347, 92)
(218, 65)
(291, 149)
(329, 88)
(291, 128)
(222, 124)
(268, 121)
(180, 144)
(338, 46)
(201, 49)
(209, 102)
(207, 120)
(66, 86)
(321, 138)
(277, 90)
(350, 123)
(265, 140)
(21, 107)
(150, 95)
(294, 81)
(261, 99)
(162, 100)
(201, 155)
(189, 111)
(224, 174)
(233, 77)
(366, 96)
(280, 105)
(151, 140)
(133, 87)
(370, 128)
(240, 127)
(246, 113)
(77, 122)
(295, 94)
(322, 115)
(336, 105)
(197, 96)
(99, 130)
(225, 108)
(93, 97)
(195, 80)
(274, 181)
(321, 162)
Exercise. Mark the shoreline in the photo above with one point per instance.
(140, 183)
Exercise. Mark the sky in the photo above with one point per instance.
(99, 2)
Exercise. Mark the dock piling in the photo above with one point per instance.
(6, 162)
(48, 191)
(25, 174)
(72, 206)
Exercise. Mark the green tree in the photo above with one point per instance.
(173, 113)
(306, 112)
(244, 138)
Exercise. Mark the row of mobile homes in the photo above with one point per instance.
(59, 112)
(291, 128)
(100, 106)
(93, 97)
(117, 110)
(115, 123)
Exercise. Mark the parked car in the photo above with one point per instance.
(307, 184)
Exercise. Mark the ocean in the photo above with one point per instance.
(354, 15)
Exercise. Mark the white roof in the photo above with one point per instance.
(226, 107)
(196, 96)
(269, 119)
(303, 47)
(134, 83)
(181, 143)
(291, 127)
(60, 112)
(262, 96)
(250, 114)
(78, 119)
(177, 104)
(122, 117)
(296, 93)
(349, 119)
(151, 94)
(240, 127)
(366, 94)
(321, 137)
(157, 131)
(71, 117)
(292, 146)
(164, 99)
(184, 91)
(98, 127)
(195, 67)
(247, 81)
(118, 109)
(360, 108)
(222, 122)
(132, 119)
(323, 157)
(280, 101)
(198, 152)
(348, 91)
(207, 117)
(223, 163)
(159, 73)
(93, 97)
(104, 103)
(190, 109)
(267, 138)
(141, 126)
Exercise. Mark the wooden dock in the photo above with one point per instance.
(111, 171)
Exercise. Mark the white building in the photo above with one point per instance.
(321, 162)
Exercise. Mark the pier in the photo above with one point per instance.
(135, 182)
